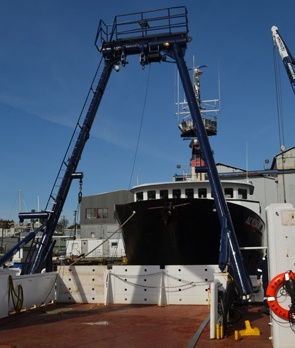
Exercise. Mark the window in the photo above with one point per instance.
(242, 193)
(151, 195)
(139, 196)
(91, 213)
(189, 193)
(102, 213)
(229, 192)
(96, 213)
(176, 193)
(163, 194)
(202, 193)
(114, 245)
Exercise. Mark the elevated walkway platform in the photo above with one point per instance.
(145, 33)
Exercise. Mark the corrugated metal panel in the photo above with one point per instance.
(104, 200)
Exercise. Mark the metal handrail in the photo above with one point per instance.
(141, 24)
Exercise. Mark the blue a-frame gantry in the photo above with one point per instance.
(154, 36)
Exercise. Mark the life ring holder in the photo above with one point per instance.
(271, 294)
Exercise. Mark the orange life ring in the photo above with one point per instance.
(271, 294)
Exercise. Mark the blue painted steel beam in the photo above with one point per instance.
(229, 243)
(7, 256)
(42, 254)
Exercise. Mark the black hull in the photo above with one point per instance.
(185, 232)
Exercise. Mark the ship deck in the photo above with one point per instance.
(92, 325)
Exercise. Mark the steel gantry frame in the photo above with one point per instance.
(154, 36)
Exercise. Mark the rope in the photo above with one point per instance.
(50, 290)
(278, 87)
(140, 127)
(17, 297)
(187, 284)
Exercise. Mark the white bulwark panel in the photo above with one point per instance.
(189, 284)
(153, 285)
(81, 284)
(23, 292)
(134, 285)
(281, 257)
(4, 295)
(125, 284)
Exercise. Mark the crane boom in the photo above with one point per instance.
(288, 60)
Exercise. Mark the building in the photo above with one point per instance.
(273, 185)
(97, 214)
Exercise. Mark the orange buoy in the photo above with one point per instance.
(271, 294)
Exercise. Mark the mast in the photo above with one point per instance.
(209, 110)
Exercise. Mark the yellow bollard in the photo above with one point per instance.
(249, 331)
(236, 335)
(217, 330)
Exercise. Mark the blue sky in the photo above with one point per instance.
(48, 60)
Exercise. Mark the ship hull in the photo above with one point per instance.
(185, 232)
